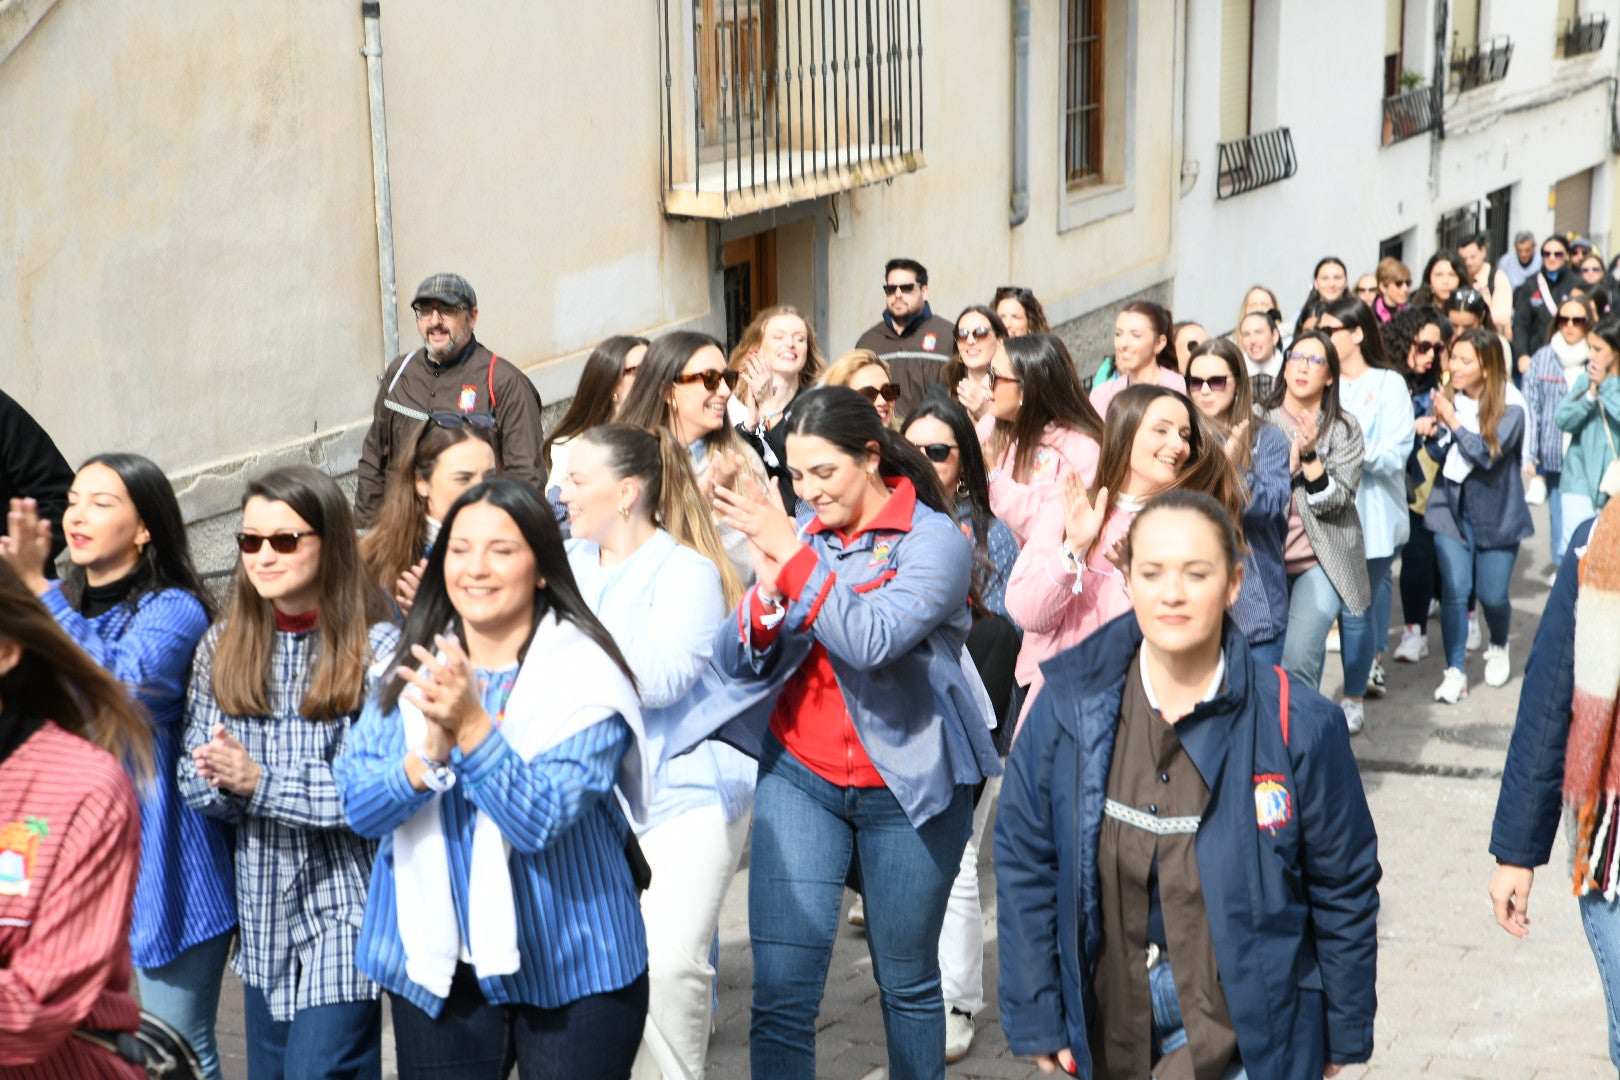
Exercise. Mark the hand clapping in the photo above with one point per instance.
(26, 544)
(447, 693)
(226, 764)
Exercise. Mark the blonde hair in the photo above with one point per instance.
(814, 361)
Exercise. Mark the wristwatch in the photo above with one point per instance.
(1307, 455)
(437, 775)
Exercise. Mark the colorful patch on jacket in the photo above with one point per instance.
(880, 552)
(1273, 807)
(1045, 464)
(19, 848)
(929, 341)
(469, 398)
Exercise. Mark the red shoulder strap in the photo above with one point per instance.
(489, 381)
(1282, 702)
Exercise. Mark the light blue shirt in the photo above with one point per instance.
(1382, 406)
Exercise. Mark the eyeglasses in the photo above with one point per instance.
(1555, 253)
(937, 452)
(1591, 269)
(974, 333)
(889, 392)
(424, 308)
(454, 420)
(908, 288)
(280, 543)
(1306, 358)
(997, 378)
(1424, 348)
(1217, 383)
(1572, 320)
(711, 379)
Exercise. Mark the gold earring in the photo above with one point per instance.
(624, 512)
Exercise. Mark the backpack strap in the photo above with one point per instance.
(1282, 702)
(489, 381)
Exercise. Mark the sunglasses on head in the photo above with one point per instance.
(280, 543)
(937, 452)
(974, 333)
(1217, 383)
(1572, 320)
(711, 379)
(889, 392)
(908, 288)
(454, 420)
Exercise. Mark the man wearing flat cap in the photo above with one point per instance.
(451, 380)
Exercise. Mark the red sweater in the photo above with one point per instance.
(69, 852)
(810, 719)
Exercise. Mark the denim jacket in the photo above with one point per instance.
(890, 608)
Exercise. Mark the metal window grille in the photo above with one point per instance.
(1254, 161)
(1083, 105)
(1479, 65)
(1457, 226)
(1582, 36)
(1408, 113)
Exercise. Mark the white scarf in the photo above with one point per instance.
(1573, 357)
(566, 684)
(1457, 467)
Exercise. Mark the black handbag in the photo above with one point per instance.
(155, 1046)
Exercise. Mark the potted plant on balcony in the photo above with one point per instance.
(1401, 120)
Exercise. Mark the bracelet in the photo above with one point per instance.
(1307, 456)
(436, 775)
(778, 611)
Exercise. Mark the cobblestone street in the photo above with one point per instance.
(1458, 998)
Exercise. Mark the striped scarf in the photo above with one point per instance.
(1592, 761)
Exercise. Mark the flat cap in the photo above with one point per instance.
(447, 289)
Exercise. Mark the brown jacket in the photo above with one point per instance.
(462, 386)
(916, 357)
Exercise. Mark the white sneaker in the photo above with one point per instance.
(1498, 668)
(958, 1035)
(1375, 680)
(1434, 608)
(1354, 715)
(1333, 638)
(1473, 632)
(857, 911)
(1414, 645)
(1453, 687)
(1552, 577)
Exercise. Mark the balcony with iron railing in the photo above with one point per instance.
(1254, 161)
(1583, 36)
(774, 102)
(1408, 113)
(1474, 66)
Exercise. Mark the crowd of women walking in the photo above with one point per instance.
(500, 758)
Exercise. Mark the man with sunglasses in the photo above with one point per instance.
(1537, 299)
(914, 340)
(451, 380)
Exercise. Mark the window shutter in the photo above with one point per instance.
(1237, 18)
(1394, 16)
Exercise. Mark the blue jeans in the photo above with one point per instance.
(471, 1039)
(1360, 646)
(1487, 571)
(1313, 604)
(1168, 1031)
(184, 993)
(1600, 919)
(812, 837)
(1574, 509)
(327, 1042)
(1555, 517)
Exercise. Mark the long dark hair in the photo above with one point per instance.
(848, 421)
(1330, 393)
(1423, 295)
(593, 401)
(1052, 395)
(972, 486)
(648, 405)
(1353, 313)
(350, 604)
(1242, 406)
(56, 680)
(1034, 314)
(1163, 326)
(165, 561)
(433, 611)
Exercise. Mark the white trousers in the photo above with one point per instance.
(693, 859)
(961, 939)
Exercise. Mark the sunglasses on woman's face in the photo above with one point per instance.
(711, 379)
(937, 452)
(1572, 320)
(889, 392)
(1306, 358)
(1424, 348)
(1217, 383)
(974, 333)
(997, 378)
(280, 543)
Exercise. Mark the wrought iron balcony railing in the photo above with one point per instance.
(1482, 64)
(1254, 161)
(1408, 113)
(772, 102)
(1582, 36)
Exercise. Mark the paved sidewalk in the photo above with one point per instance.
(1458, 998)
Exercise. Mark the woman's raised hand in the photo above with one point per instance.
(757, 513)
(1444, 411)
(973, 396)
(1234, 438)
(26, 544)
(446, 690)
(1083, 516)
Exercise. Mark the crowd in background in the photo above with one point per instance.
(493, 737)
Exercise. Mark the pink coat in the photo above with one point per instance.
(1042, 596)
(1062, 451)
(1104, 395)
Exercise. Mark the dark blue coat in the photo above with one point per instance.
(1531, 800)
(1293, 910)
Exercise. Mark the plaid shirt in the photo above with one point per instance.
(301, 874)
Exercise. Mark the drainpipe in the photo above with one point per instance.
(1020, 118)
(370, 15)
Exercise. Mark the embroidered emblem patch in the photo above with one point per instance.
(1273, 807)
(880, 552)
(929, 341)
(1045, 462)
(19, 848)
(469, 398)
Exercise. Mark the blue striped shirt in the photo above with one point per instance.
(578, 916)
(184, 895)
